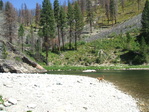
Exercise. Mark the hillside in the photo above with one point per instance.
(13, 60)
(108, 45)
(122, 28)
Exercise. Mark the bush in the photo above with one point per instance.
(4, 53)
(1, 100)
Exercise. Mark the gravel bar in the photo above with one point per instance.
(62, 93)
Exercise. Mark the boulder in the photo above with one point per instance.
(17, 61)
(13, 66)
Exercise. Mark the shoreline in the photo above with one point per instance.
(63, 93)
(81, 68)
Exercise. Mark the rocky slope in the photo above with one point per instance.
(11, 59)
(134, 23)
(17, 62)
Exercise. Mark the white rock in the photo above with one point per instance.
(8, 85)
(89, 71)
(1, 107)
(7, 104)
(12, 101)
(31, 106)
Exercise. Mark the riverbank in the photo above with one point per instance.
(102, 67)
(61, 93)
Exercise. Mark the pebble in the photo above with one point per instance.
(8, 85)
(58, 84)
(12, 101)
(31, 106)
(1, 107)
(7, 104)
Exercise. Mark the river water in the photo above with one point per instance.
(134, 83)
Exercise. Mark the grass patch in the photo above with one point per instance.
(81, 68)
(1, 100)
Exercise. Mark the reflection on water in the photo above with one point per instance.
(135, 83)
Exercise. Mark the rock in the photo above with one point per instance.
(85, 108)
(78, 81)
(39, 67)
(142, 104)
(12, 101)
(13, 66)
(89, 71)
(1, 107)
(31, 106)
(8, 85)
(7, 104)
(58, 84)
(8, 66)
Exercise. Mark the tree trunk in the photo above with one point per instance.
(59, 41)
(70, 39)
(22, 45)
(47, 54)
(47, 49)
(115, 20)
(138, 5)
(62, 32)
(10, 34)
(91, 27)
(75, 40)
(33, 45)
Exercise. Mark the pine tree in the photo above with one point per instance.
(78, 22)
(63, 21)
(138, 2)
(145, 22)
(123, 4)
(37, 14)
(70, 17)
(144, 50)
(56, 15)
(1, 4)
(82, 5)
(47, 24)
(107, 9)
(10, 22)
(89, 14)
(21, 34)
(113, 10)
(32, 39)
(128, 41)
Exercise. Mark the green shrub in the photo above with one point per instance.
(1, 100)
(18, 58)
(4, 53)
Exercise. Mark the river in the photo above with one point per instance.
(133, 82)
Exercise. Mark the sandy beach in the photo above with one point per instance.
(62, 93)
